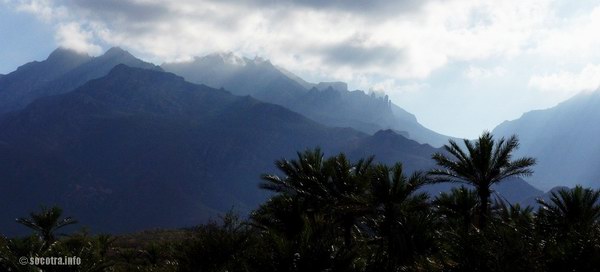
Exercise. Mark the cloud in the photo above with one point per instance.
(355, 40)
(575, 37)
(588, 79)
(44, 9)
(71, 35)
(381, 8)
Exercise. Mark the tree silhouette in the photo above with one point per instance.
(334, 186)
(403, 222)
(46, 223)
(483, 163)
(569, 226)
(458, 207)
(578, 208)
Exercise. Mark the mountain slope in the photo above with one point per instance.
(329, 103)
(140, 149)
(16, 88)
(61, 72)
(564, 139)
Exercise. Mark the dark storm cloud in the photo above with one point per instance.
(354, 55)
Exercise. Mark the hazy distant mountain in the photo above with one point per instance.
(564, 139)
(139, 149)
(329, 103)
(61, 72)
(307, 85)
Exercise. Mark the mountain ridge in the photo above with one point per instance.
(563, 139)
(61, 72)
(330, 103)
(138, 149)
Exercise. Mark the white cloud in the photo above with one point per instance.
(588, 79)
(44, 9)
(395, 44)
(71, 35)
(384, 85)
(570, 39)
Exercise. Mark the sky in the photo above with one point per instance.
(461, 66)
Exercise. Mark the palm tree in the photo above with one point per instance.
(578, 208)
(401, 213)
(569, 225)
(483, 163)
(46, 223)
(333, 186)
(459, 205)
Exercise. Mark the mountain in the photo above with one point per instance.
(17, 87)
(564, 140)
(307, 85)
(61, 72)
(139, 149)
(329, 103)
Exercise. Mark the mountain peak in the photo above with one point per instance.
(65, 53)
(117, 51)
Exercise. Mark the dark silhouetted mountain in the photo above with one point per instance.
(140, 148)
(63, 71)
(564, 140)
(329, 103)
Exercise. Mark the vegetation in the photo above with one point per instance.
(332, 214)
(484, 163)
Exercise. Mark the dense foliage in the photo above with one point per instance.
(332, 214)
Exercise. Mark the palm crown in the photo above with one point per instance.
(483, 163)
